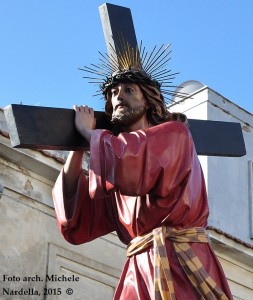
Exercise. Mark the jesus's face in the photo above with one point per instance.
(128, 104)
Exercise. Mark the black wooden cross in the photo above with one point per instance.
(36, 127)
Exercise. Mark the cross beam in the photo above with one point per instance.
(37, 127)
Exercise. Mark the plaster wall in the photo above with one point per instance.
(194, 106)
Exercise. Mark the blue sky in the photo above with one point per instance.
(44, 42)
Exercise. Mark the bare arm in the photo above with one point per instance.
(72, 169)
(85, 123)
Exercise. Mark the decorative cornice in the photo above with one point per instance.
(229, 236)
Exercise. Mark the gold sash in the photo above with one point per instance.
(192, 266)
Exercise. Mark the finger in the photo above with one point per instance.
(91, 111)
(85, 108)
(76, 108)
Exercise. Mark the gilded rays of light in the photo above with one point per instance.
(124, 57)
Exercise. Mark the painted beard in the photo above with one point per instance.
(128, 116)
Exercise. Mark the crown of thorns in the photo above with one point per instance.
(137, 65)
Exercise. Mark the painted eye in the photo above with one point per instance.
(129, 90)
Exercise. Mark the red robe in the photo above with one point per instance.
(139, 181)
